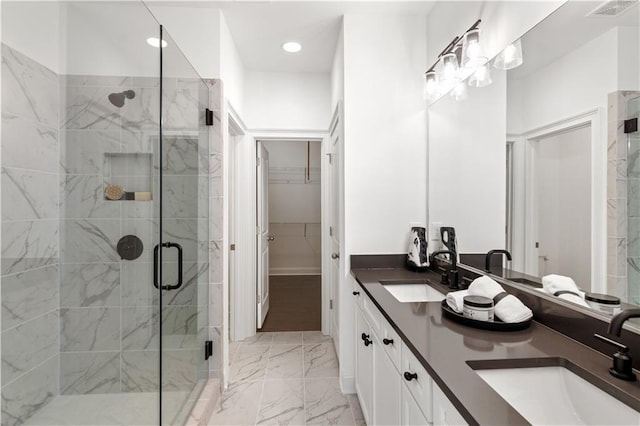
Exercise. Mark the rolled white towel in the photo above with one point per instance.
(509, 308)
(455, 300)
(564, 288)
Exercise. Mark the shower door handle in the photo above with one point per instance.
(156, 251)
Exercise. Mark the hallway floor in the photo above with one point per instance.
(287, 378)
(294, 303)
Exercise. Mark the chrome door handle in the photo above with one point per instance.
(335, 256)
(270, 238)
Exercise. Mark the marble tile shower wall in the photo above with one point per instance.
(623, 200)
(108, 306)
(632, 140)
(30, 231)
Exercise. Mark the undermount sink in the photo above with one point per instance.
(414, 292)
(554, 395)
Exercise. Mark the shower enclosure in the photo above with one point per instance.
(631, 102)
(105, 217)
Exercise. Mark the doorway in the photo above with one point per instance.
(289, 249)
(564, 188)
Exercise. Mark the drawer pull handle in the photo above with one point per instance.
(410, 376)
(356, 293)
(364, 336)
(367, 342)
(387, 341)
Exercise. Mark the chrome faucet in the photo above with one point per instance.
(622, 363)
(487, 258)
(450, 277)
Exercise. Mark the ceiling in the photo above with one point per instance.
(259, 28)
(565, 30)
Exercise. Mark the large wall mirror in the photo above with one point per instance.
(538, 161)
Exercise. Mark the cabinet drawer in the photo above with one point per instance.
(417, 380)
(391, 342)
(371, 313)
(411, 415)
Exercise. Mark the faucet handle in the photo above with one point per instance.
(622, 364)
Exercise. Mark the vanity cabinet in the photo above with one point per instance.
(392, 385)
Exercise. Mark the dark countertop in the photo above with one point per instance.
(445, 347)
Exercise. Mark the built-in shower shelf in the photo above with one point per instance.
(128, 176)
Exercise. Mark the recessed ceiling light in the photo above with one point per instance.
(155, 42)
(291, 46)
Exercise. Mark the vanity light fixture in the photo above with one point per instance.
(481, 77)
(472, 52)
(155, 42)
(462, 57)
(510, 57)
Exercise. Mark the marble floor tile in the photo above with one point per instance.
(233, 349)
(238, 404)
(325, 404)
(285, 362)
(250, 363)
(320, 360)
(282, 403)
(259, 339)
(287, 338)
(314, 337)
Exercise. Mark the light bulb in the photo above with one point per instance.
(459, 92)
(449, 67)
(472, 54)
(481, 77)
(510, 57)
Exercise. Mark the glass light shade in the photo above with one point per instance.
(449, 72)
(481, 77)
(472, 52)
(459, 91)
(510, 57)
(431, 86)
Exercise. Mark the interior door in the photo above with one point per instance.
(335, 226)
(262, 175)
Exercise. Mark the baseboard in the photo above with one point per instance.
(348, 384)
(295, 271)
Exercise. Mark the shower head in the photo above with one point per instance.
(117, 99)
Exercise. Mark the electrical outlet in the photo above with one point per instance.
(435, 243)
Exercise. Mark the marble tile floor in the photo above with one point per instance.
(109, 409)
(285, 378)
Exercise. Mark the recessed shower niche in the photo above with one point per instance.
(128, 176)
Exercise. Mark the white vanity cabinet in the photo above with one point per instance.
(392, 385)
(444, 413)
(364, 366)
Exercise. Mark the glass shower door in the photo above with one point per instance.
(183, 252)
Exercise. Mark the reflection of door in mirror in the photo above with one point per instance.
(563, 209)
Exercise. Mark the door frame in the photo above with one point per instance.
(244, 304)
(593, 118)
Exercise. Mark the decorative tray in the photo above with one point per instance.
(497, 325)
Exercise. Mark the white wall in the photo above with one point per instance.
(385, 131)
(564, 189)
(201, 47)
(231, 69)
(32, 28)
(337, 72)
(576, 83)
(628, 58)
(285, 100)
(467, 166)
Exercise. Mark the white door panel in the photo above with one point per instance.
(262, 175)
